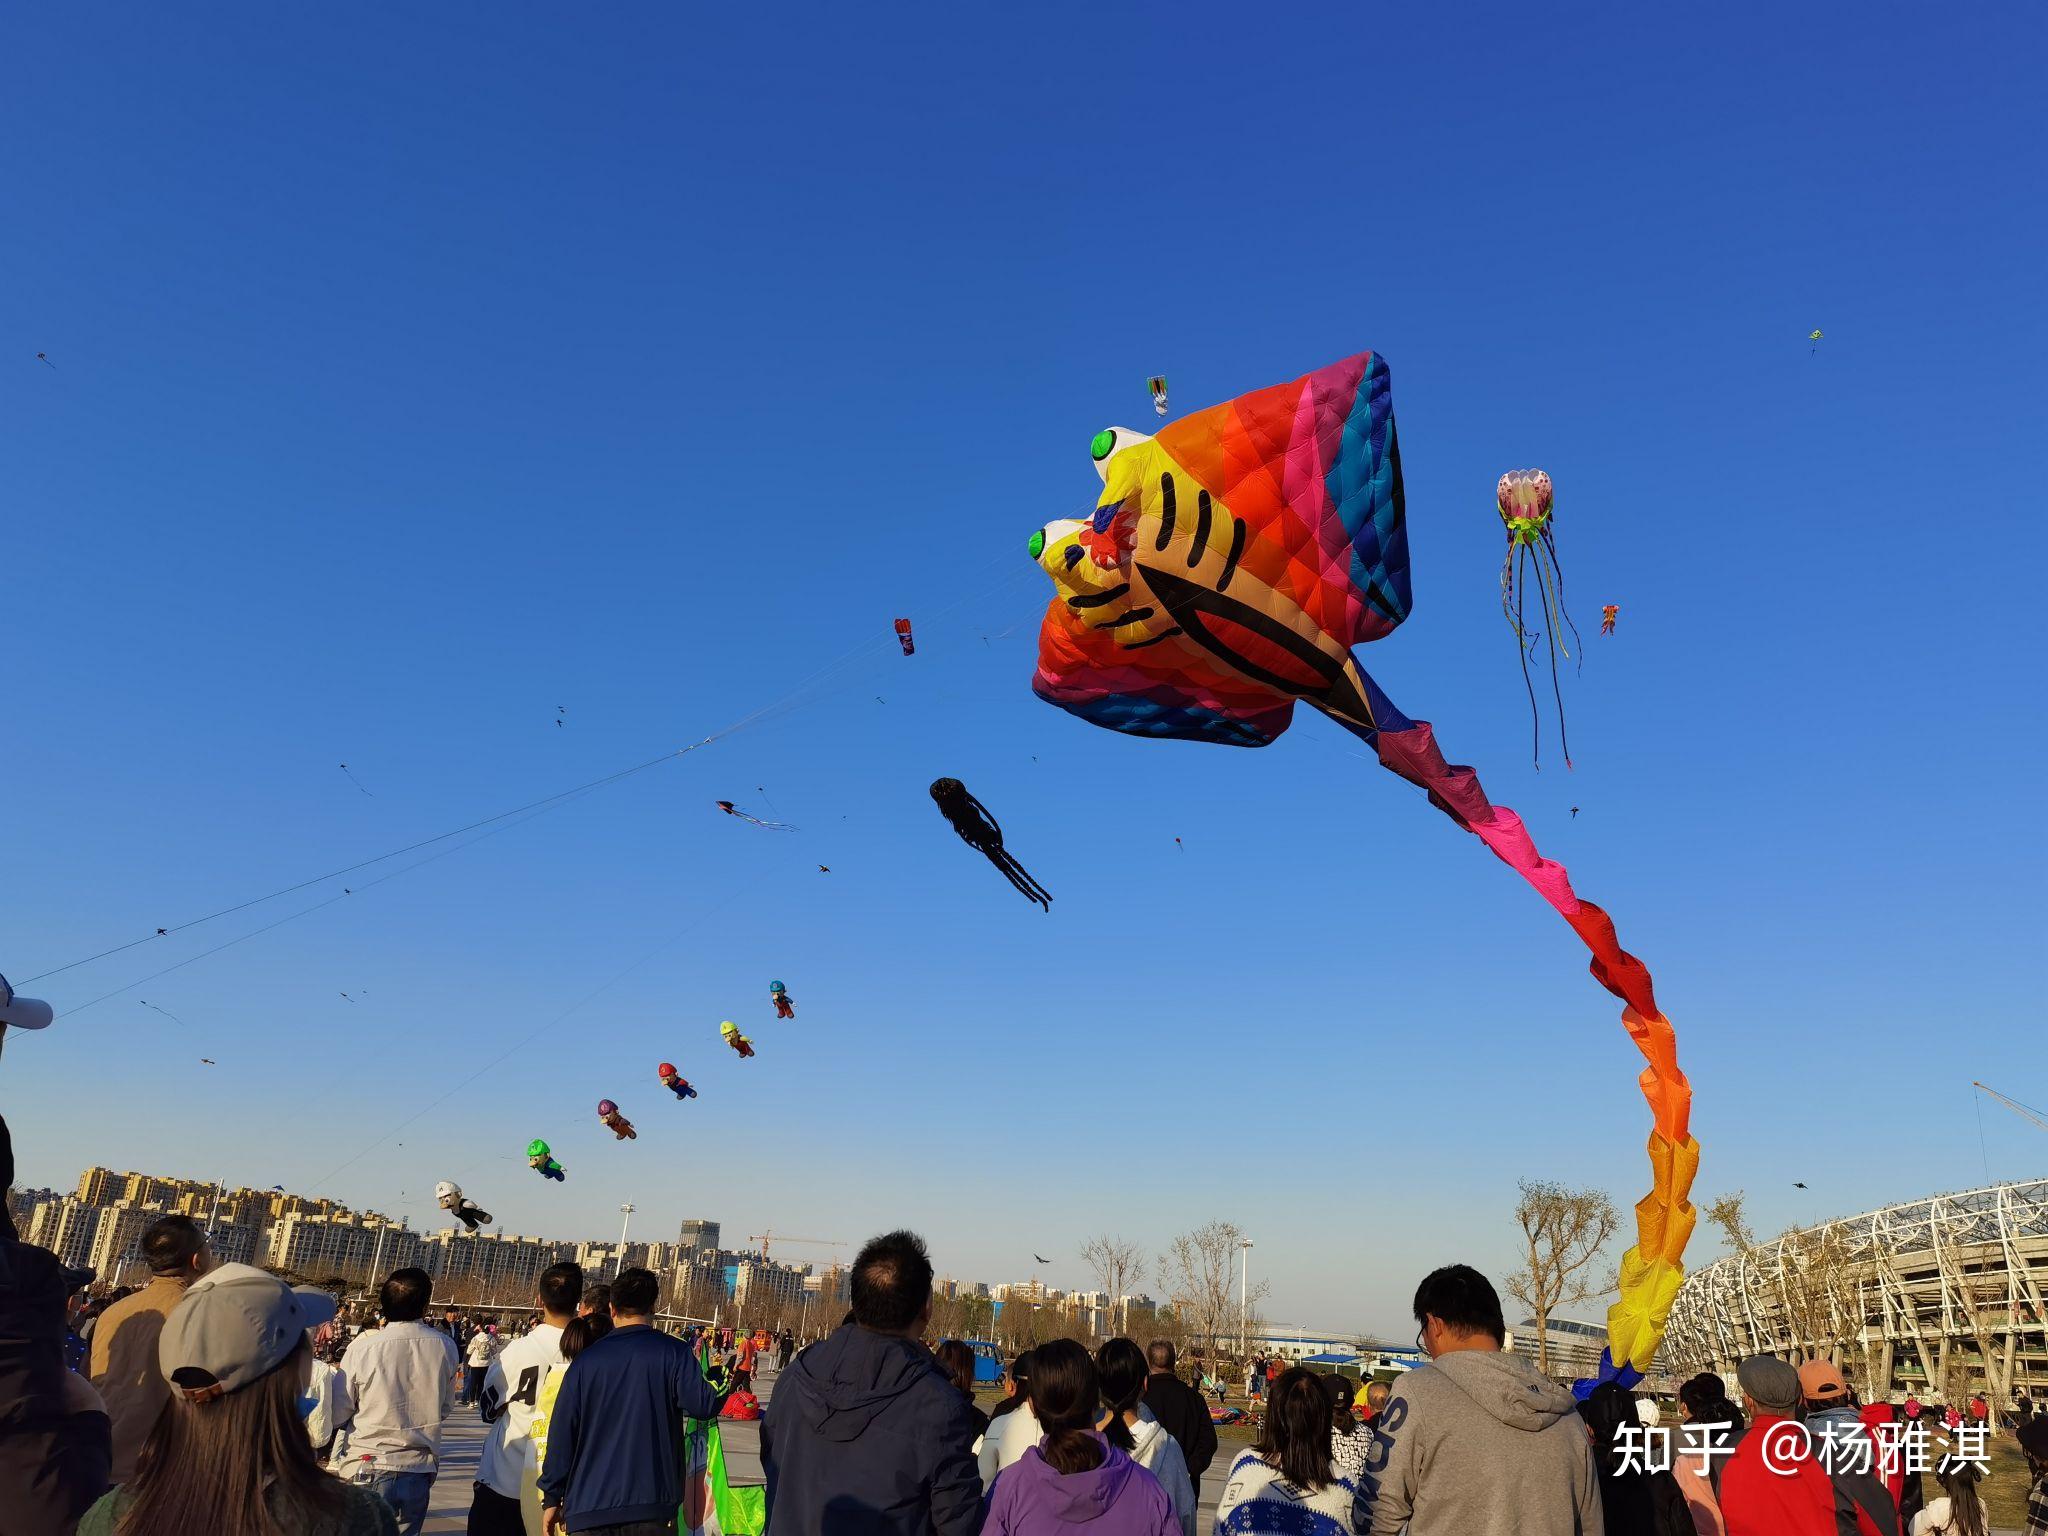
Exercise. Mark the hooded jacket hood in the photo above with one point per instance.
(1077, 1498)
(841, 1384)
(1145, 1437)
(1506, 1388)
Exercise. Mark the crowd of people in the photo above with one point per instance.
(218, 1398)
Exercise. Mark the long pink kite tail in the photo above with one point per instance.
(1652, 1270)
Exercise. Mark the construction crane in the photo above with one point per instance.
(764, 1238)
(2014, 1105)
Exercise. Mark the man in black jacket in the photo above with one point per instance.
(865, 1432)
(1180, 1410)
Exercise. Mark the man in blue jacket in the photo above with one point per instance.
(615, 1440)
(865, 1435)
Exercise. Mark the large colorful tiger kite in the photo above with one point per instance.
(1232, 563)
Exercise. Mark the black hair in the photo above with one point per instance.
(1343, 1392)
(404, 1296)
(598, 1298)
(1958, 1479)
(892, 1282)
(1124, 1372)
(171, 1243)
(1463, 1300)
(1160, 1355)
(561, 1287)
(1610, 1410)
(634, 1292)
(1295, 1436)
(1066, 1395)
(584, 1331)
(957, 1361)
(1705, 1397)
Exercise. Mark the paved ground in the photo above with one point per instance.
(462, 1442)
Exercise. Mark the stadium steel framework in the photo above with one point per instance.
(1942, 1296)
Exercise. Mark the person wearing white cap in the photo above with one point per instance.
(232, 1440)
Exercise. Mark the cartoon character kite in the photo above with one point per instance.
(674, 1081)
(767, 826)
(1157, 384)
(978, 829)
(1609, 612)
(1231, 565)
(903, 637)
(785, 1005)
(618, 1124)
(1523, 497)
(451, 1199)
(735, 1039)
(541, 1160)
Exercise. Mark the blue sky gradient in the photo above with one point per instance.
(419, 375)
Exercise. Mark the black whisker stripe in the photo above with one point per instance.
(1098, 599)
(1236, 554)
(1139, 645)
(1166, 503)
(1128, 616)
(1201, 544)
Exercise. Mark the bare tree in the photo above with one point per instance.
(1116, 1264)
(1197, 1272)
(1727, 1214)
(1565, 1231)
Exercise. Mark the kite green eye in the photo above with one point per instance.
(1037, 544)
(1105, 440)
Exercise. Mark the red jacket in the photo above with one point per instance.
(1872, 1415)
(1792, 1496)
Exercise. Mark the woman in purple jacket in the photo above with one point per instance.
(1074, 1479)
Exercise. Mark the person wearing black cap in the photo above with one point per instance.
(56, 1445)
(231, 1440)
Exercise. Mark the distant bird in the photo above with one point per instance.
(1797, 1185)
(824, 869)
(44, 359)
(1041, 1258)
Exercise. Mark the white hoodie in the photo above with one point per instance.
(1008, 1438)
(1160, 1454)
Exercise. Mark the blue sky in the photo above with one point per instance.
(417, 376)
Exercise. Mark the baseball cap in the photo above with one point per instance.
(1770, 1382)
(23, 1012)
(234, 1326)
(1820, 1382)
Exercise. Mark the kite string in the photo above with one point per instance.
(521, 1043)
(294, 916)
(786, 702)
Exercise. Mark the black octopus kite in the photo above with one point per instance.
(978, 829)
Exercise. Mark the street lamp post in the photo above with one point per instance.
(1244, 1284)
(619, 1268)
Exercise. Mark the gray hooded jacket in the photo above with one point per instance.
(1478, 1444)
